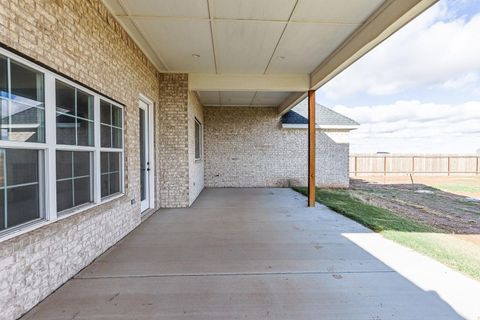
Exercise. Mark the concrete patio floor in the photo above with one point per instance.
(257, 254)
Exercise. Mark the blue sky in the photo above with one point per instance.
(418, 91)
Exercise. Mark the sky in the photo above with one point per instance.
(419, 90)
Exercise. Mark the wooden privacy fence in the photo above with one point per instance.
(415, 164)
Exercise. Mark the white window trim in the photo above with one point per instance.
(200, 142)
(47, 176)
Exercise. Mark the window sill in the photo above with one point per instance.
(34, 225)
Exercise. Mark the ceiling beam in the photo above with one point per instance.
(248, 82)
(388, 19)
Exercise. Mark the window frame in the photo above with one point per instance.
(200, 140)
(47, 152)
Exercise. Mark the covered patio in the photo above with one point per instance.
(258, 254)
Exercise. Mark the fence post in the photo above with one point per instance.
(478, 160)
(356, 167)
(385, 166)
(413, 165)
(448, 163)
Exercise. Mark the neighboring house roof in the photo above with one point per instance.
(325, 118)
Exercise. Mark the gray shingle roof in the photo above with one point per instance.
(324, 116)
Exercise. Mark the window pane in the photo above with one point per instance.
(65, 129)
(81, 162)
(65, 98)
(117, 138)
(26, 123)
(22, 205)
(82, 191)
(85, 132)
(105, 185)
(114, 161)
(197, 140)
(117, 116)
(104, 162)
(114, 183)
(105, 116)
(2, 210)
(22, 166)
(3, 76)
(84, 105)
(64, 164)
(64, 195)
(2, 168)
(26, 83)
(106, 136)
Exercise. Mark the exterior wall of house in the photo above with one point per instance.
(247, 147)
(196, 167)
(84, 42)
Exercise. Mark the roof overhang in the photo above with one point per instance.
(260, 52)
(322, 127)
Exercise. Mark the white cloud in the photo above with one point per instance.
(434, 50)
(411, 126)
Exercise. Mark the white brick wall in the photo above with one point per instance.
(246, 147)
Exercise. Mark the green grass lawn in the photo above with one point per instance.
(449, 249)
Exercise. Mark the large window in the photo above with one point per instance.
(61, 145)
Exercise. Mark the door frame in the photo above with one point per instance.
(150, 146)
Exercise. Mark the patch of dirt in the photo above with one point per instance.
(442, 210)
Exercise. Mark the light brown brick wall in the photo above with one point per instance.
(173, 174)
(196, 167)
(80, 39)
(247, 147)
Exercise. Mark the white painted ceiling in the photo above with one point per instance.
(241, 37)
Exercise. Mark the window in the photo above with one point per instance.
(74, 115)
(110, 173)
(19, 187)
(111, 128)
(111, 125)
(22, 123)
(61, 145)
(74, 180)
(22, 102)
(198, 140)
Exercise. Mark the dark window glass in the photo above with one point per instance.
(105, 112)
(81, 163)
(198, 139)
(2, 210)
(65, 98)
(84, 105)
(73, 179)
(65, 129)
(116, 117)
(82, 191)
(114, 162)
(19, 187)
(64, 164)
(106, 136)
(26, 82)
(73, 107)
(116, 138)
(3, 77)
(110, 169)
(85, 132)
(64, 195)
(111, 128)
(22, 166)
(22, 205)
(22, 105)
(105, 185)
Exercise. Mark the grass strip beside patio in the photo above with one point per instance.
(449, 249)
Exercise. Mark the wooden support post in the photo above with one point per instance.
(311, 148)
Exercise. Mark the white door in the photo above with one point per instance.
(145, 173)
